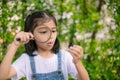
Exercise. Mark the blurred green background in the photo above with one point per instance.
(93, 24)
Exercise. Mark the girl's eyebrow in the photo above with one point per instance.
(41, 27)
(44, 26)
(53, 27)
(47, 27)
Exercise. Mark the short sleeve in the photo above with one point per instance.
(70, 66)
(19, 66)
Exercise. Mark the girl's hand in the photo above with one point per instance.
(24, 37)
(76, 52)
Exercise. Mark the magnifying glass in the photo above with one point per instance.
(42, 36)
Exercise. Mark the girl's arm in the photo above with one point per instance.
(82, 73)
(77, 52)
(6, 70)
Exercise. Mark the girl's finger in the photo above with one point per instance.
(28, 38)
(24, 38)
(30, 35)
(79, 49)
(74, 52)
(75, 49)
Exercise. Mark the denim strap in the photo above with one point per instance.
(32, 63)
(59, 60)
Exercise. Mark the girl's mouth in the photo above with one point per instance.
(50, 43)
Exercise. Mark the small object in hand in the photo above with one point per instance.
(70, 44)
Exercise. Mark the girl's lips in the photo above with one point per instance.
(50, 43)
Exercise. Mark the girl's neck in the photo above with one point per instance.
(45, 53)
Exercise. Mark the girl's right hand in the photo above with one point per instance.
(24, 37)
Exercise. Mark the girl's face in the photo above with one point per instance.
(45, 35)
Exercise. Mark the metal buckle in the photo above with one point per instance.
(34, 75)
(59, 72)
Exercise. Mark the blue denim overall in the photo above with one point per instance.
(55, 75)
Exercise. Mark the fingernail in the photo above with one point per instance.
(70, 47)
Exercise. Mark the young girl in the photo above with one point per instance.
(43, 60)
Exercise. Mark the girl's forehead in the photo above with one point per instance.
(50, 24)
(45, 27)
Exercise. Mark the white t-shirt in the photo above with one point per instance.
(23, 68)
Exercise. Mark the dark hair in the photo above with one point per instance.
(31, 23)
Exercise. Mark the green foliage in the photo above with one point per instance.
(93, 24)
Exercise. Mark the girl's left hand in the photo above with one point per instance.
(77, 52)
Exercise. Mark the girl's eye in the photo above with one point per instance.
(54, 31)
(43, 32)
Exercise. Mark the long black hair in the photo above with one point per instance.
(31, 23)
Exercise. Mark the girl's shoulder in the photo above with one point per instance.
(24, 56)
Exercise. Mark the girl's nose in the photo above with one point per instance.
(53, 34)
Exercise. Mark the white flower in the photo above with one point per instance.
(103, 34)
(118, 58)
(11, 3)
(97, 48)
(87, 35)
(109, 52)
(70, 21)
(31, 7)
(99, 57)
(100, 22)
(108, 20)
(78, 36)
(57, 16)
(104, 7)
(85, 56)
(113, 27)
(67, 15)
(100, 35)
(9, 29)
(87, 40)
(77, 21)
(9, 26)
(65, 31)
(51, 2)
(15, 17)
(18, 29)
(19, 5)
(92, 58)
(64, 15)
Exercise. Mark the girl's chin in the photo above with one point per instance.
(47, 48)
(50, 47)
